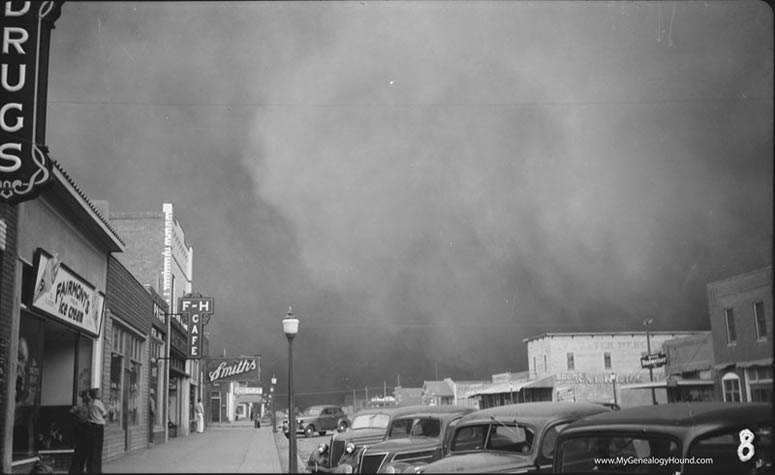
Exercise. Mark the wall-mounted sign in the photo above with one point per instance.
(25, 167)
(234, 369)
(247, 390)
(198, 309)
(64, 295)
(596, 378)
(654, 360)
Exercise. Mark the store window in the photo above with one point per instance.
(571, 362)
(54, 364)
(125, 375)
(607, 360)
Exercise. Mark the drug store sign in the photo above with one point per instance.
(25, 168)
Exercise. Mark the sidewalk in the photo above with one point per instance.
(233, 448)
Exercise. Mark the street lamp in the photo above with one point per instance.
(613, 381)
(647, 323)
(271, 400)
(291, 328)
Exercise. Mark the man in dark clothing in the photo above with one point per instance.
(80, 435)
(318, 460)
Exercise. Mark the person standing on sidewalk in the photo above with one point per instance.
(81, 439)
(199, 410)
(95, 431)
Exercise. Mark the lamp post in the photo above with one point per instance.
(647, 323)
(291, 327)
(271, 400)
(613, 382)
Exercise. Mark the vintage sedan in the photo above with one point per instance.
(685, 438)
(368, 426)
(320, 419)
(415, 437)
(510, 439)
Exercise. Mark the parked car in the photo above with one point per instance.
(686, 438)
(320, 419)
(511, 438)
(415, 437)
(368, 426)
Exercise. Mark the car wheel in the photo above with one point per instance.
(342, 426)
(322, 432)
(308, 431)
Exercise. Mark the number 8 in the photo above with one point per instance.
(745, 450)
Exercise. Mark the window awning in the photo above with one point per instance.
(664, 384)
(516, 386)
(749, 364)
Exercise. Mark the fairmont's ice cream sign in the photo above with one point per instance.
(62, 294)
(233, 369)
(25, 167)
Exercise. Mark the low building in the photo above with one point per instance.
(589, 366)
(512, 388)
(407, 396)
(437, 393)
(740, 310)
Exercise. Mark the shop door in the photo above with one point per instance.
(215, 406)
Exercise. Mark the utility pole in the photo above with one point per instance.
(436, 364)
(647, 323)
(384, 389)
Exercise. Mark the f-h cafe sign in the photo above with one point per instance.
(25, 168)
(197, 310)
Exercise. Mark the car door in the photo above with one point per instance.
(326, 416)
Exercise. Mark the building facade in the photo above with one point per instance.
(588, 366)
(54, 290)
(126, 362)
(740, 311)
(158, 255)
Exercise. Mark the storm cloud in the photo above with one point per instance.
(429, 183)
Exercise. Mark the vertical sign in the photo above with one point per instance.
(25, 167)
(198, 309)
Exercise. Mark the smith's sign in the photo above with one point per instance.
(233, 369)
(25, 167)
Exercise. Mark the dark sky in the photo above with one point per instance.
(429, 183)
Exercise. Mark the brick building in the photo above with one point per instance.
(581, 365)
(126, 362)
(158, 255)
(53, 295)
(740, 310)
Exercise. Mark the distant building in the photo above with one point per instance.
(512, 388)
(689, 372)
(437, 393)
(407, 396)
(582, 366)
(464, 391)
(740, 310)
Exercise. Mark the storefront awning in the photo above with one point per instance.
(516, 386)
(664, 384)
(749, 364)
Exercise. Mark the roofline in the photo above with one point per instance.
(743, 274)
(612, 333)
(87, 205)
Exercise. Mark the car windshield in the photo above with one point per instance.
(500, 437)
(311, 411)
(378, 421)
(614, 454)
(722, 448)
(414, 427)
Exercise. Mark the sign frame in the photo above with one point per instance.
(62, 294)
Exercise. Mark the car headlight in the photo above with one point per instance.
(395, 467)
(344, 468)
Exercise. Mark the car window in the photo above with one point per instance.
(510, 438)
(426, 427)
(722, 448)
(614, 454)
(550, 437)
(379, 421)
(469, 438)
(400, 428)
(312, 411)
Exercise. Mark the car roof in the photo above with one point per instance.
(536, 410)
(678, 419)
(420, 410)
(378, 410)
(323, 406)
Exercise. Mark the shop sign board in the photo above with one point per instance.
(25, 167)
(64, 295)
(654, 360)
(246, 368)
(198, 310)
(566, 394)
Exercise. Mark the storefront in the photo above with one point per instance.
(178, 399)
(56, 328)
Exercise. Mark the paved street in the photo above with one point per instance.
(235, 448)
